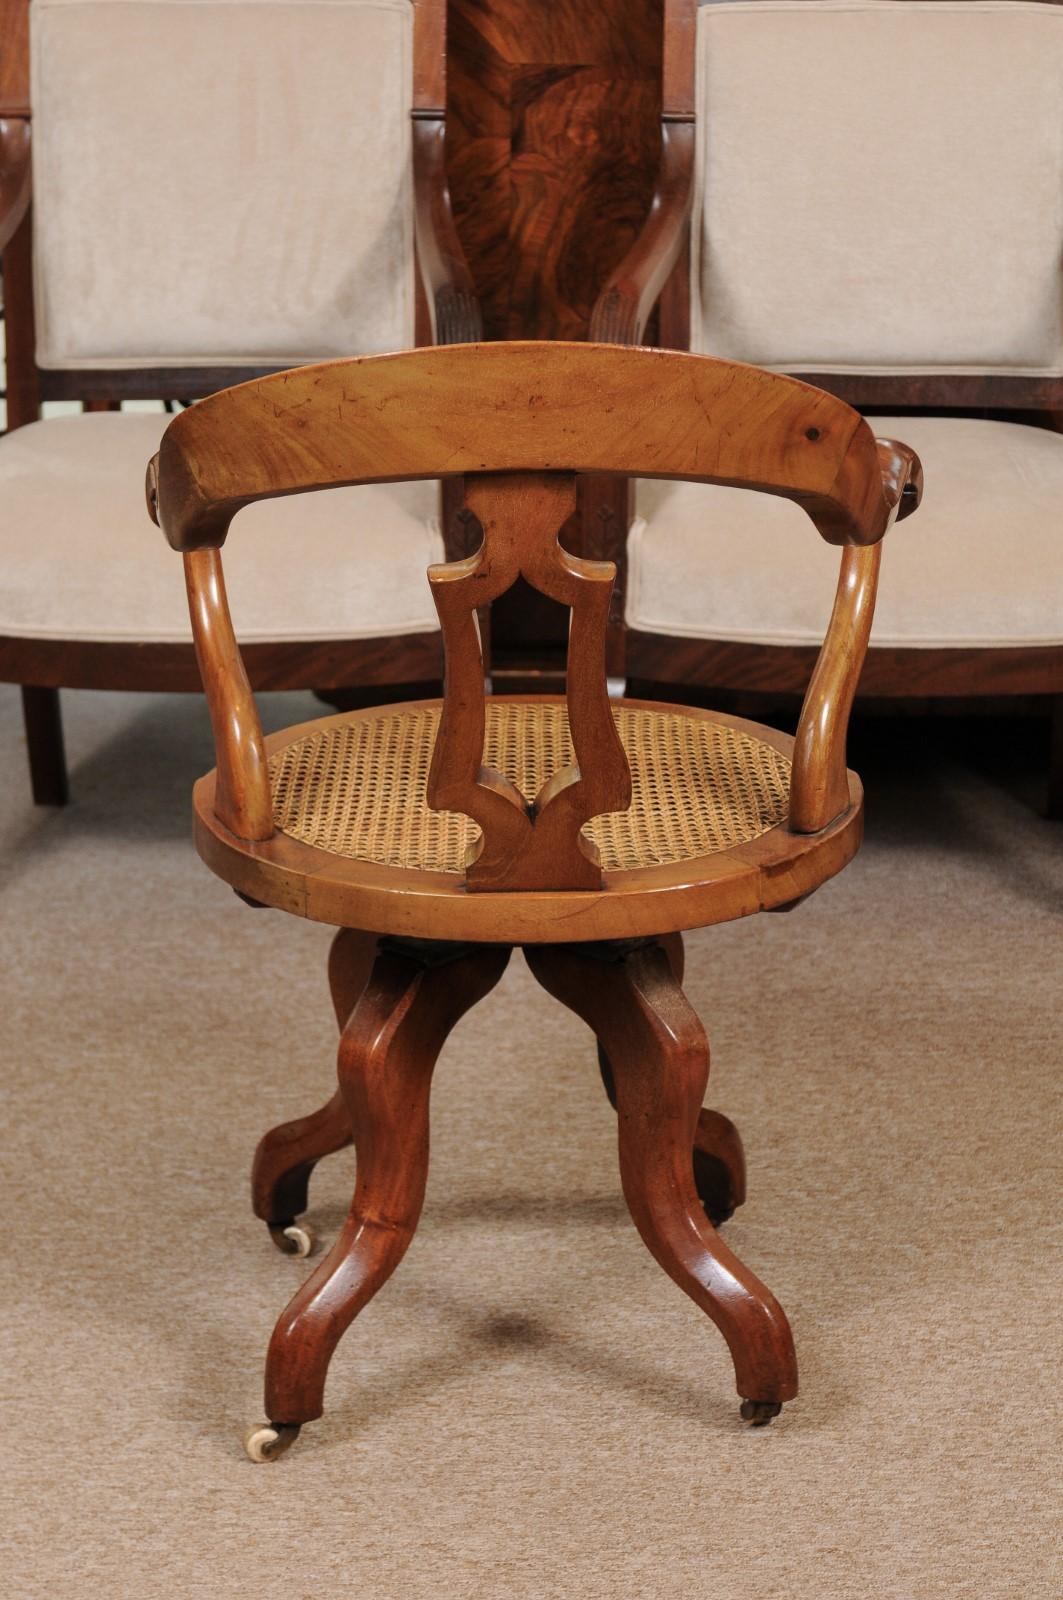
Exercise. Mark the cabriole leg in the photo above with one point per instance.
(288, 1154)
(659, 1057)
(719, 1160)
(415, 995)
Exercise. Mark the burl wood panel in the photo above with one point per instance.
(553, 136)
(554, 142)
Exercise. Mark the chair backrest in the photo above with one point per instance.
(879, 186)
(519, 421)
(221, 183)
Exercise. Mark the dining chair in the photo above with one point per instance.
(213, 189)
(437, 836)
(865, 193)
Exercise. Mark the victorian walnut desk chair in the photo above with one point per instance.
(192, 225)
(865, 193)
(436, 836)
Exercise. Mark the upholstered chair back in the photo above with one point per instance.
(880, 185)
(221, 182)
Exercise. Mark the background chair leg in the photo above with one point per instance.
(43, 720)
(719, 1160)
(659, 1055)
(1054, 808)
(387, 1053)
(288, 1154)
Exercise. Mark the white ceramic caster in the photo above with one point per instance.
(293, 1238)
(270, 1440)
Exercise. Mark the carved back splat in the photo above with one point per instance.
(528, 842)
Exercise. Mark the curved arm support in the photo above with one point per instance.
(623, 308)
(452, 301)
(242, 799)
(14, 175)
(819, 785)
(242, 796)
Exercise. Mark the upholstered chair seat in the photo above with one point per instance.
(867, 195)
(219, 188)
(981, 567)
(72, 503)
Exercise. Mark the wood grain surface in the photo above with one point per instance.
(14, 58)
(553, 134)
(554, 143)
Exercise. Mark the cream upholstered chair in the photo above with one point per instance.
(875, 195)
(220, 188)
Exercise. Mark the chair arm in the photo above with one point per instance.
(623, 308)
(452, 302)
(14, 175)
(819, 786)
(242, 799)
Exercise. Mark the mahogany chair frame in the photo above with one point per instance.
(655, 276)
(447, 312)
(518, 423)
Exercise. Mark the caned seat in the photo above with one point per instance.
(864, 193)
(301, 214)
(704, 839)
(436, 836)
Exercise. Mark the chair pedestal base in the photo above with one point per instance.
(681, 1166)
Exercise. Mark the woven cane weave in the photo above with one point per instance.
(357, 789)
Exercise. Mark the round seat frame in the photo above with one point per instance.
(772, 869)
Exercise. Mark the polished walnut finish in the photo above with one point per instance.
(388, 1050)
(518, 422)
(14, 58)
(719, 1159)
(527, 841)
(530, 408)
(553, 144)
(660, 1061)
(447, 312)
(288, 1154)
(764, 873)
(242, 797)
(654, 276)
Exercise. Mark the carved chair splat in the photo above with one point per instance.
(587, 832)
(527, 841)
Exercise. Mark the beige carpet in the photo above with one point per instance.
(530, 1409)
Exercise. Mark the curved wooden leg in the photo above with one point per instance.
(659, 1056)
(288, 1154)
(350, 961)
(719, 1160)
(387, 1053)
